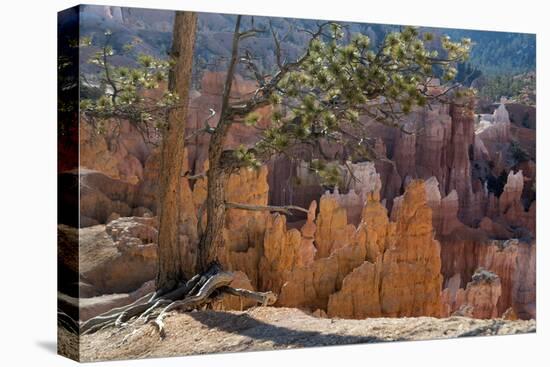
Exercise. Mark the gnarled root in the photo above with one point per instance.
(148, 304)
(195, 293)
(118, 316)
(212, 284)
(95, 323)
(67, 322)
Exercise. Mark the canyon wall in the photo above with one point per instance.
(405, 238)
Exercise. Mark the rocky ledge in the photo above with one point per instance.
(267, 328)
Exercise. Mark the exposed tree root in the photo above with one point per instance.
(67, 322)
(197, 292)
(212, 284)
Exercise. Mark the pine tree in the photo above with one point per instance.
(312, 98)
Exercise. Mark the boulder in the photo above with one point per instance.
(117, 258)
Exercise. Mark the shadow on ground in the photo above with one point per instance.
(245, 325)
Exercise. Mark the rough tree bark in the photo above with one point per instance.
(170, 271)
(219, 166)
(210, 281)
(217, 175)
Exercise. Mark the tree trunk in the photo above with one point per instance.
(212, 237)
(217, 175)
(170, 271)
(217, 178)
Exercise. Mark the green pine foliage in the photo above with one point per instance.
(520, 88)
(119, 91)
(341, 80)
(503, 53)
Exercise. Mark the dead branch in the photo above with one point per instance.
(194, 177)
(112, 316)
(262, 97)
(250, 33)
(278, 54)
(286, 209)
(206, 129)
(264, 298)
(247, 60)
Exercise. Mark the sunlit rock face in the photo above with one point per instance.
(494, 131)
(333, 229)
(118, 257)
(111, 170)
(386, 269)
(359, 296)
(286, 249)
(119, 153)
(311, 287)
(512, 260)
(410, 278)
(101, 197)
(244, 230)
(362, 180)
(479, 299)
(384, 244)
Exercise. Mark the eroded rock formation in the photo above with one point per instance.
(512, 260)
(285, 250)
(117, 258)
(479, 299)
(387, 269)
(119, 152)
(386, 244)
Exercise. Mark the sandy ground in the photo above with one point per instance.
(266, 328)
